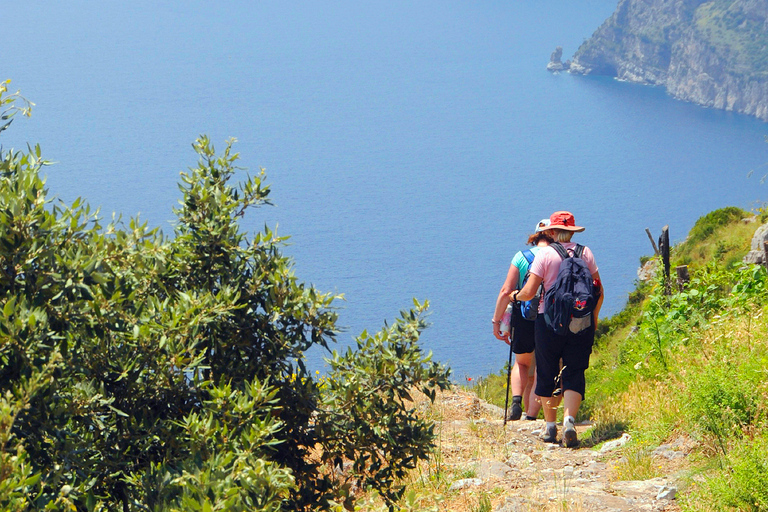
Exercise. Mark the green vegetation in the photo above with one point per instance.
(717, 237)
(493, 387)
(691, 367)
(484, 504)
(737, 34)
(731, 37)
(142, 373)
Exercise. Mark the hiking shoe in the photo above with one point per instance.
(570, 440)
(516, 412)
(549, 435)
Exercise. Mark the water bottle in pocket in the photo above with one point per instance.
(506, 319)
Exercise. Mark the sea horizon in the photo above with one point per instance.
(410, 148)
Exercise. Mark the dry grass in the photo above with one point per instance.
(467, 434)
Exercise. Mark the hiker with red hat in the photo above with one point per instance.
(520, 336)
(565, 326)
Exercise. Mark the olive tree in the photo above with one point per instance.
(145, 372)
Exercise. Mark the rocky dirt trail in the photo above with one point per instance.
(513, 471)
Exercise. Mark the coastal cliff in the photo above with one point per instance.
(714, 53)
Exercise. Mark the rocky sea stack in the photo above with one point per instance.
(555, 61)
(714, 53)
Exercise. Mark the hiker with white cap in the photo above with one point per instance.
(522, 342)
(565, 326)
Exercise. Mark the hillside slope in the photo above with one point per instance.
(714, 53)
(676, 412)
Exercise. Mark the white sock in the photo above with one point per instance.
(551, 424)
(569, 421)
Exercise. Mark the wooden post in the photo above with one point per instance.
(664, 249)
(682, 276)
(655, 249)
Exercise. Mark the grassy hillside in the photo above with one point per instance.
(693, 366)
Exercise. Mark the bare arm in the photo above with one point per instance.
(529, 290)
(510, 284)
(596, 277)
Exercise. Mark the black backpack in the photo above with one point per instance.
(530, 308)
(569, 303)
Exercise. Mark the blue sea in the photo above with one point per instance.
(411, 146)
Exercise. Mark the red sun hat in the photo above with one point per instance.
(564, 220)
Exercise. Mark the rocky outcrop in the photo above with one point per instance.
(555, 61)
(757, 253)
(714, 53)
(648, 270)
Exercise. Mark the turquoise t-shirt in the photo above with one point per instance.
(522, 264)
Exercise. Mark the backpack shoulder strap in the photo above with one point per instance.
(529, 256)
(578, 250)
(557, 246)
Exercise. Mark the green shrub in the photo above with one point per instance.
(739, 485)
(707, 224)
(367, 415)
(708, 343)
(139, 372)
(493, 387)
(627, 317)
(720, 404)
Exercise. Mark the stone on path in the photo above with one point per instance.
(616, 443)
(667, 492)
(465, 483)
(492, 469)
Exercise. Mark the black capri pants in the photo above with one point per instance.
(573, 349)
(523, 341)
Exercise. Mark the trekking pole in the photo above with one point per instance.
(509, 365)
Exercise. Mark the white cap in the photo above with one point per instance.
(542, 225)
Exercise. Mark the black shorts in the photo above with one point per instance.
(573, 349)
(523, 341)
